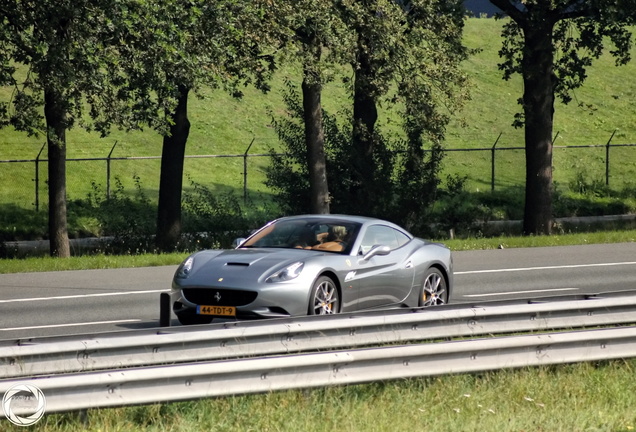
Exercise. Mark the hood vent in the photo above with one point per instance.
(241, 264)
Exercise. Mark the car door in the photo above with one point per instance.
(383, 280)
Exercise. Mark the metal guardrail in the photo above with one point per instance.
(46, 356)
(264, 374)
(170, 364)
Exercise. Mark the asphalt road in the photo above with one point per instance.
(91, 301)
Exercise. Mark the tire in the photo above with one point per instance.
(324, 299)
(193, 319)
(434, 290)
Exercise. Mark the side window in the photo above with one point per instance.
(402, 238)
(381, 235)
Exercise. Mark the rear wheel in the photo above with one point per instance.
(324, 299)
(434, 290)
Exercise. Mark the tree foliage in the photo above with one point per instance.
(170, 50)
(316, 38)
(405, 56)
(288, 174)
(551, 43)
(66, 48)
(432, 88)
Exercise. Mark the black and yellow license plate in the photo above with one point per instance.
(216, 310)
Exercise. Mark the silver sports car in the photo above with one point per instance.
(313, 265)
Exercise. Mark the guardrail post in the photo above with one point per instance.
(164, 310)
(37, 179)
(245, 172)
(492, 163)
(108, 170)
(607, 159)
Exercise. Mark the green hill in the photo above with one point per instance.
(224, 126)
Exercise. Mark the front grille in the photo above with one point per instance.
(220, 297)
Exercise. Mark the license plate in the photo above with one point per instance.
(216, 310)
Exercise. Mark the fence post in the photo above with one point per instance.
(552, 149)
(108, 171)
(37, 179)
(607, 154)
(492, 163)
(245, 172)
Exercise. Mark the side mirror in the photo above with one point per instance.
(237, 242)
(376, 250)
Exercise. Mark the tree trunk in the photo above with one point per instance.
(538, 105)
(365, 115)
(315, 140)
(55, 114)
(171, 179)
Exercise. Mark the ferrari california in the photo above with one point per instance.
(313, 265)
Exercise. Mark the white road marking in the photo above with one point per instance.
(70, 325)
(108, 294)
(520, 292)
(545, 268)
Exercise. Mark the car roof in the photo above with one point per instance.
(364, 220)
(341, 217)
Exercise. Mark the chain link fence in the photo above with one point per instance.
(491, 167)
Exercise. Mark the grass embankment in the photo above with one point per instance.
(569, 398)
(222, 125)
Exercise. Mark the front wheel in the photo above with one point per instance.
(324, 299)
(434, 290)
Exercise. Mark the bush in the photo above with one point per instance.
(130, 220)
(393, 197)
(214, 221)
(287, 175)
(572, 204)
(465, 212)
(17, 223)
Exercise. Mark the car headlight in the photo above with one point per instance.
(185, 268)
(288, 273)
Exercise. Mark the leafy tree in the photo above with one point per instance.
(171, 49)
(377, 26)
(288, 174)
(551, 43)
(65, 47)
(413, 52)
(413, 47)
(432, 87)
(314, 35)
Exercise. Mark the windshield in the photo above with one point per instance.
(331, 235)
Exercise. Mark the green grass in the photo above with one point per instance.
(46, 263)
(599, 237)
(581, 397)
(222, 125)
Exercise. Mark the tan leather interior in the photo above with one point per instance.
(329, 246)
(332, 240)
